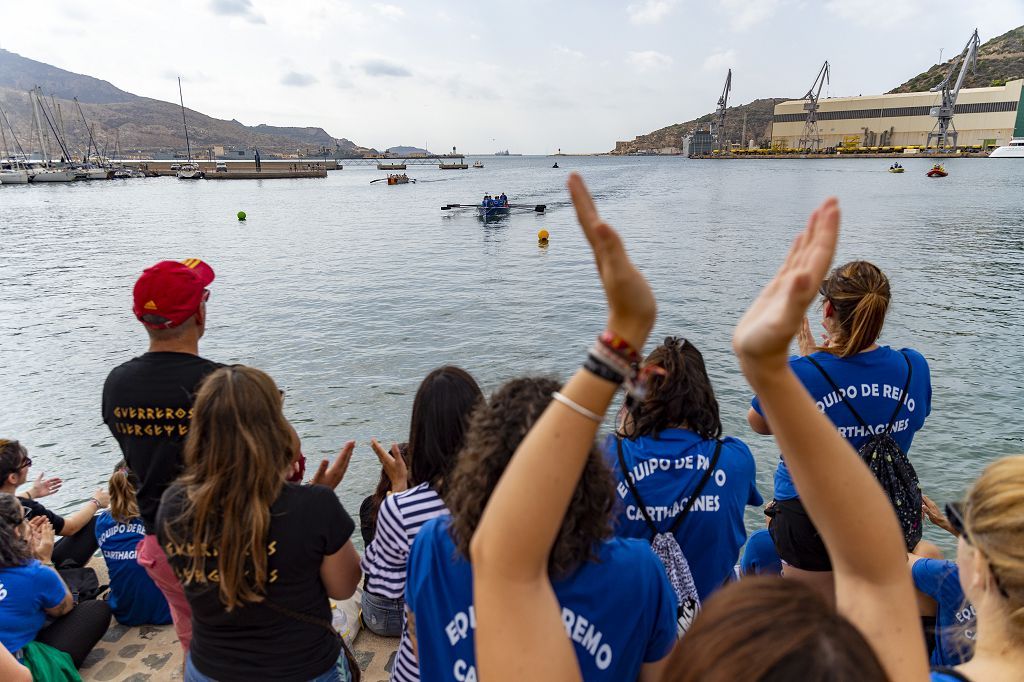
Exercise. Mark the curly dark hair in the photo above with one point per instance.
(682, 397)
(495, 431)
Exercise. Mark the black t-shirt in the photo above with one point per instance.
(256, 642)
(368, 519)
(147, 404)
(33, 508)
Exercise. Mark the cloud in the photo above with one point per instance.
(866, 12)
(650, 11)
(717, 61)
(340, 76)
(748, 13)
(569, 52)
(298, 80)
(237, 8)
(649, 60)
(382, 67)
(389, 11)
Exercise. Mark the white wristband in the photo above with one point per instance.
(576, 407)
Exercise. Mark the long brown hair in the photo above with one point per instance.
(681, 397)
(994, 523)
(859, 293)
(238, 449)
(14, 550)
(122, 485)
(769, 629)
(495, 431)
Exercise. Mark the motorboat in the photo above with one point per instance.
(1014, 150)
(897, 169)
(478, 164)
(937, 171)
(14, 176)
(189, 171)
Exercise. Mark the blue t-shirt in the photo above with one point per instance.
(873, 382)
(24, 592)
(760, 556)
(955, 619)
(666, 470)
(619, 611)
(134, 597)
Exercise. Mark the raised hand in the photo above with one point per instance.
(762, 337)
(935, 515)
(41, 541)
(44, 486)
(631, 307)
(332, 475)
(394, 465)
(805, 339)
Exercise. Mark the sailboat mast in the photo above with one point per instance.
(188, 147)
(43, 153)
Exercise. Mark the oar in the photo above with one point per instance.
(378, 180)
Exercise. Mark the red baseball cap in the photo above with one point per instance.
(171, 292)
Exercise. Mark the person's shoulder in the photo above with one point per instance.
(171, 502)
(314, 495)
(418, 494)
(917, 359)
(631, 555)
(935, 569)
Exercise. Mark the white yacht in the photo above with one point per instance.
(14, 176)
(51, 175)
(189, 171)
(1014, 150)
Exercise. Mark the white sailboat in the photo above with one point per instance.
(12, 170)
(1014, 150)
(189, 170)
(45, 173)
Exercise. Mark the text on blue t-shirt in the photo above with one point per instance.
(24, 592)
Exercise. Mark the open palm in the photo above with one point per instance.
(765, 331)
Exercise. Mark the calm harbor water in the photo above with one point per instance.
(348, 293)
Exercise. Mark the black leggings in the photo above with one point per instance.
(74, 551)
(78, 631)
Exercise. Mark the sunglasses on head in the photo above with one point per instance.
(955, 514)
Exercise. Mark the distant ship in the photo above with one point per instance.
(1010, 151)
(505, 153)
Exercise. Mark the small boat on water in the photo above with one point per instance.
(14, 176)
(51, 175)
(478, 164)
(493, 212)
(937, 171)
(490, 212)
(896, 169)
(187, 171)
(398, 179)
(1014, 150)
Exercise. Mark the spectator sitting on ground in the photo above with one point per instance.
(666, 442)
(440, 413)
(259, 557)
(32, 592)
(134, 598)
(612, 591)
(147, 402)
(854, 381)
(78, 540)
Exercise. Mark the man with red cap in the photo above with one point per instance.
(147, 403)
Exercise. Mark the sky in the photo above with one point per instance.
(529, 76)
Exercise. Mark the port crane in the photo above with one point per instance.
(810, 138)
(944, 131)
(719, 123)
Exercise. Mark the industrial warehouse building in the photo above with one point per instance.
(983, 116)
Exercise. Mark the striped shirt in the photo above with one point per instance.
(384, 563)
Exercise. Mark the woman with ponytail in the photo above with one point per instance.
(858, 384)
(663, 450)
(134, 597)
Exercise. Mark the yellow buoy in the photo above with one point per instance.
(542, 236)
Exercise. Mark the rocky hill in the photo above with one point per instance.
(999, 60)
(143, 125)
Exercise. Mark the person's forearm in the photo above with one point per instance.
(514, 539)
(75, 522)
(846, 503)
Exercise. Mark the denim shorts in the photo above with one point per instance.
(339, 672)
(383, 616)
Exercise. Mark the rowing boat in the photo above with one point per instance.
(488, 212)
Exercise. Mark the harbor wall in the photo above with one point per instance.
(990, 115)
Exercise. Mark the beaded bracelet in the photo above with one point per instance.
(619, 346)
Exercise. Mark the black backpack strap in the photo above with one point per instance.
(700, 488)
(903, 396)
(633, 490)
(839, 393)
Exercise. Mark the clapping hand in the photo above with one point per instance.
(631, 307)
(331, 474)
(935, 515)
(394, 465)
(44, 486)
(40, 539)
(762, 337)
